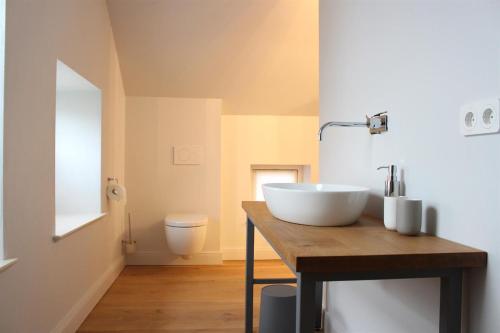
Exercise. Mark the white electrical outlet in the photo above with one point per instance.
(480, 117)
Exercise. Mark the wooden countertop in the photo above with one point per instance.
(365, 246)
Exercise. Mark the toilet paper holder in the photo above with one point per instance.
(112, 179)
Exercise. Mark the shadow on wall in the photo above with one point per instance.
(375, 206)
(431, 220)
(376, 295)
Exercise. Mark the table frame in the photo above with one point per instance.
(310, 290)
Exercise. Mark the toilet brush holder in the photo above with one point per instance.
(129, 243)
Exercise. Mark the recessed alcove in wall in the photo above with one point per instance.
(78, 151)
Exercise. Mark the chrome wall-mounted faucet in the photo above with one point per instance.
(376, 124)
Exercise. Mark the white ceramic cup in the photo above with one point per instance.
(408, 216)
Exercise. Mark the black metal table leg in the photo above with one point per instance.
(318, 306)
(450, 312)
(249, 277)
(305, 311)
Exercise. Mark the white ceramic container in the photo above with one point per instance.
(316, 204)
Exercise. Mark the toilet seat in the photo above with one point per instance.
(185, 220)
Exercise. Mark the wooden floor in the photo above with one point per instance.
(168, 299)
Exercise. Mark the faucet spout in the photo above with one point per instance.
(376, 124)
(340, 124)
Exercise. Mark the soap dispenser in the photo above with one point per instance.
(390, 196)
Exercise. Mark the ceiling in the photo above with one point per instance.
(259, 56)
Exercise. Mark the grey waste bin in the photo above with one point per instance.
(277, 309)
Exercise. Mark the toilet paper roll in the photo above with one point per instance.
(116, 192)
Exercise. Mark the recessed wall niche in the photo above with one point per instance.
(77, 151)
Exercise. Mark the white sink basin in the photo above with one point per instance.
(316, 204)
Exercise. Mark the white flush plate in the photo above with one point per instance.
(188, 155)
(480, 117)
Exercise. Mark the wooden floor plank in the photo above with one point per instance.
(182, 299)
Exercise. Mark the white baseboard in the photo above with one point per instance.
(240, 254)
(77, 314)
(163, 258)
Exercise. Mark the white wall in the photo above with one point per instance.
(157, 187)
(259, 140)
(78, 152)
(54, 284)
(420, 60)
(2, 77)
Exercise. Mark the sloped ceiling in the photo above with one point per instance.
(260, 56)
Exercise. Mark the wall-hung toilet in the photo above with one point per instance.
(185, 233)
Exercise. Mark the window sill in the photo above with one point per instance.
(68, 224)
(4, 264)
